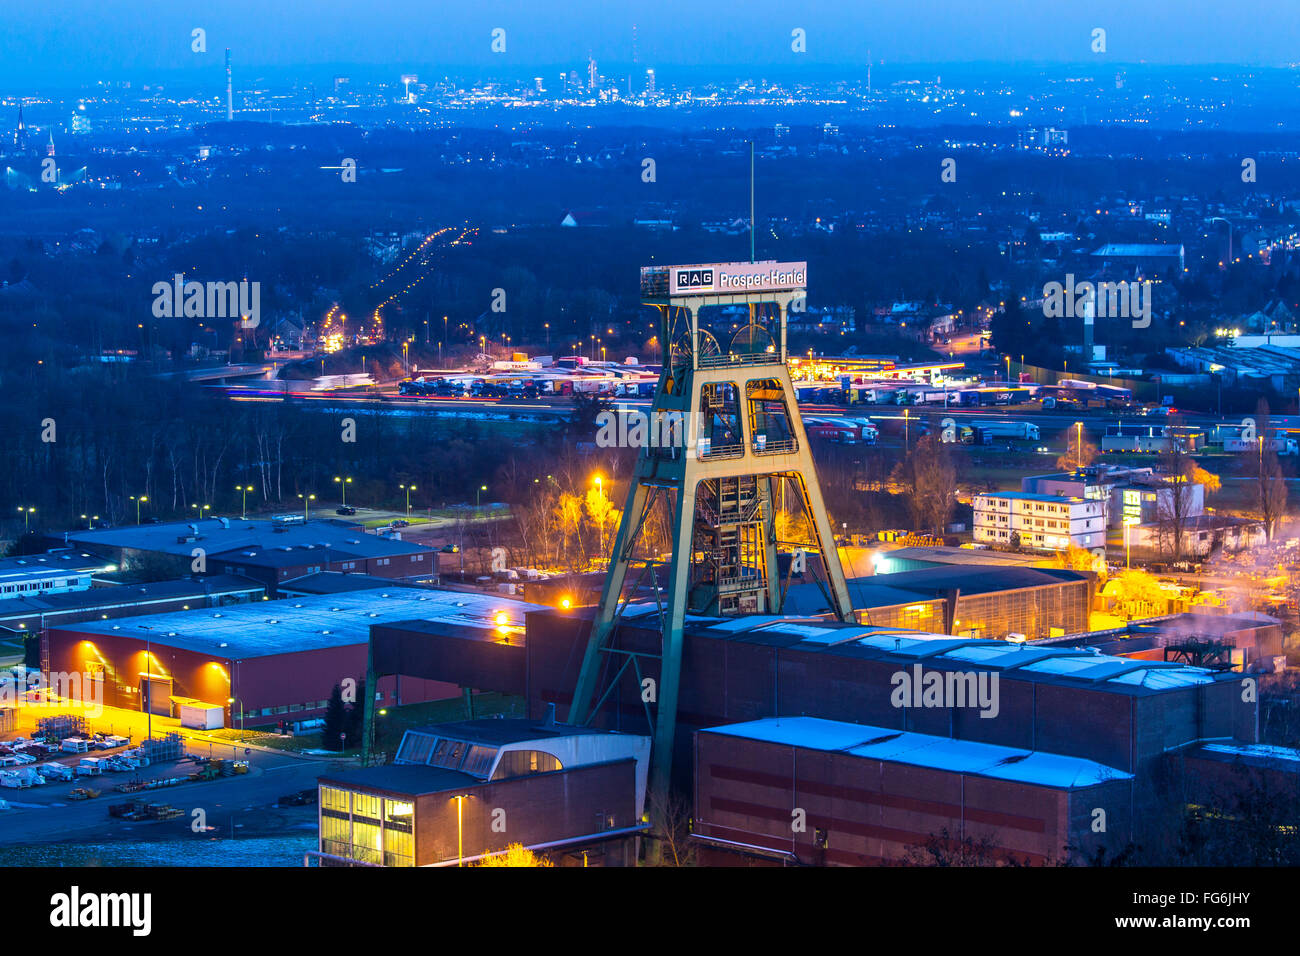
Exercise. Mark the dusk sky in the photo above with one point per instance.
(82, 40)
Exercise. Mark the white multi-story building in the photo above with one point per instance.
(1040, 522)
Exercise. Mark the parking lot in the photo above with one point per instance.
(241, 801)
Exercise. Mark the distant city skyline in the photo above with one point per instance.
(81, 41)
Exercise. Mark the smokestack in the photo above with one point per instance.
(230, 96)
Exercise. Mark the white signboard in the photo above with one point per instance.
(737, 277)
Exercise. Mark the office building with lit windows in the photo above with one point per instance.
(1039, 522)
(456, 793)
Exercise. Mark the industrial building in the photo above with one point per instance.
(988, 601)
(54, 572)
(1067, 726)
(803, 790)
(456, 793)
(267, 663)
(269, 551)
(38, 612)
(1067, 700)
(925, 557)
(1247, 641)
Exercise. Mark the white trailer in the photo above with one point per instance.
(1283, 446)
(1023, 430)
(74, 745)
(90, 767)
(56, 771)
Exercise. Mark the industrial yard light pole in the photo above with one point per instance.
(231, 700)
(138, 501)
(148, 681)
(306, 504)
(344, 482)
(478, 497)
(91, 519)
(27, 514)
(408, 489)
(460, 829)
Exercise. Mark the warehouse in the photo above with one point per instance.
(273, 662)
(34, 614)
(271, 552)
(1073, 701)
(986, 601)
(55, 572)
(802, 790)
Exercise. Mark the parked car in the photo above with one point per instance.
(401, 523)
(345, 510)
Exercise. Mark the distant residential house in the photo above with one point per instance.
(1141, 258)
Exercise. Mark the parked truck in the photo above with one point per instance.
(1026, 431)
(1282, 446)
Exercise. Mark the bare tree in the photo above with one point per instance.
(929, 479)
(1178, 496)
(670, 821)
(1266, 471)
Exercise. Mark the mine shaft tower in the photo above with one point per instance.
(726, 443)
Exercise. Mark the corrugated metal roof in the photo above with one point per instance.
(1038, 768)
(310, 623)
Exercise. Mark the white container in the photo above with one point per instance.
(74, 745)
(202, 717)
(90, 767)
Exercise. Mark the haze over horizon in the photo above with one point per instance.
(81, 41)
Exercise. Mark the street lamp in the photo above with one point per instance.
(138, 502)
(343, 483)
(27, 514)
(408, 489)
(201, 508)
(231, 700)
(477, 496)
(92, 519)
(306, 505)
(243, 510)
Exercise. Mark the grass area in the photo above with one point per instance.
(390, 725)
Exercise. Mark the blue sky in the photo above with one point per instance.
(79, 40)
